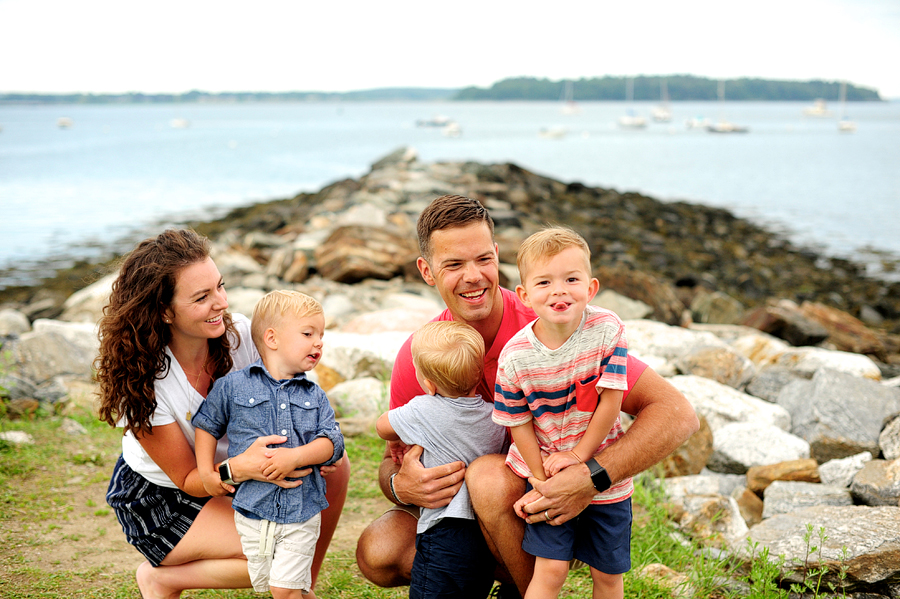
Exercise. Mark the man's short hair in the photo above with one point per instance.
(274, 306)
(546, 244)
(450, 355)
(446, 212)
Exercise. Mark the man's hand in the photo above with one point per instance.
(562, 497)
(427, 487)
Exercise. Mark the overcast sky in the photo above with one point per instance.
(338, 45)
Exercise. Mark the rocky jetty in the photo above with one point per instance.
(789, 358)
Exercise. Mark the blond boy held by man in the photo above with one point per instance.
(278, 527)
(560, 384)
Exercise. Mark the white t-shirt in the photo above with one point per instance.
(177, 401)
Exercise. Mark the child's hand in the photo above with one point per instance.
(280, 464)
(398, 449)
(555, 462)
(529, 497)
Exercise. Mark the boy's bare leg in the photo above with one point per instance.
(494, 489)
(386, 549)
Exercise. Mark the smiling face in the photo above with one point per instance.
(558, 289)
(198, 303)
(294, 345)
(464, 268)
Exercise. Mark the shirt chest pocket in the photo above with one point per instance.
(304, 416)
(253, 411)
(586, 394)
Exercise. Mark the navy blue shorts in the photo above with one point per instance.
(153, 518)
(452, 562)
(600, 537)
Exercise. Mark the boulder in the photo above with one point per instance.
(784, 497)
(738, 446)
(719, 363)
(716, 308)
(651, 338)
(840, 472)
(41, 356)
(692, 455)
(760, 348)
(645, 288)
(889, 439)
(768, 382)
(838, 414)
(714, 518)
(870, 536)
(845, 332)
(360, 398)
(353, 253)
(784, 320)
(13, 323)
(242, 300)
(721, 404)
(760, 477)
(750, 505)
(805, 361)
(877, 483)
(624, 307)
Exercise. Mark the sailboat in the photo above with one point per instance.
(631, 120)
(662, 113)
(845, 125)
(724, 126)
(568, 96)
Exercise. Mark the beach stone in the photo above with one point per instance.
(645, 288)
(716, 308)
(840, 472)
(714, 518)
(13, 323)
(739, 446)
(838, 414)
(889, 439)
(678, 584)
(17, 437)
(768, 382)
(22, 408)
(760, 477)
(353, 253)
(805, 361)
(82, 335)
(365, 397)
(652, 338)
(749, 504)
(42, 356)
(692, 455)
(845, 332)
(784, 497)
(871, 536)
(233, 264)
(17, 387)
(337, 306)
(624, 307)
(721, 404)
(242, 300)
(719, 363)
(877, 483)
(784, 320)
(396, 319)
(762, 349)
(298, 270)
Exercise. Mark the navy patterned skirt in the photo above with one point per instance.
(153, 518)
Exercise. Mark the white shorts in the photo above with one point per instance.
(289, 564)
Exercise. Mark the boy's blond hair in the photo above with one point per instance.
(546, 244)
(274, 306)
(450, 355)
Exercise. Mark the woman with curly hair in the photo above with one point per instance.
(165, 337)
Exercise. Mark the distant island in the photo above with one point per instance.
(646, 88)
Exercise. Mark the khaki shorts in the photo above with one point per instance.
(289, 564)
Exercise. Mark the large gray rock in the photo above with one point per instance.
(783, 497)
(806, 361)
(878, 483)
(840, 472)
(87, 304)
(625, 307)
(738, 446)
(363, 398)
(784, 319)
(838, 414)
(768, 382)
(13, 323)
(713, 517)
(710, 483)
(55, 350)
(716, 308)
(651, 338)
(871, 536)
(889, 439)
(719, 363)
(353, 253)
(720, 404)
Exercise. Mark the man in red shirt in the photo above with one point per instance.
(460, 259)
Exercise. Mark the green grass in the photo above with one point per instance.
(32, 512)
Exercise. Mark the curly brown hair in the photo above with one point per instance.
(133, 336)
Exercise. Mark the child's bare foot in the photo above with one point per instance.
(148, 588)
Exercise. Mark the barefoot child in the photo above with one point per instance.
(278, 527)
(560, 384)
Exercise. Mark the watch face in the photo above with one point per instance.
(224, 471)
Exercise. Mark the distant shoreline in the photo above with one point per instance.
(674, 88)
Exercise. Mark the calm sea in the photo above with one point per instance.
(121, 172)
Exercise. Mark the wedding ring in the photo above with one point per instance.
(547, 515)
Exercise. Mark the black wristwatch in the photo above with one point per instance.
(225, 473)
(599, 476)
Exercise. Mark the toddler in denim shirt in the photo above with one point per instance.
(273, 396)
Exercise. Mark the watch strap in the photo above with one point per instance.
(599, 475)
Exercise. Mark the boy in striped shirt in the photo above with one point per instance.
(559, 389)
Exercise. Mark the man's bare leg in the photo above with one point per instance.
(494, 489)
(386, 549)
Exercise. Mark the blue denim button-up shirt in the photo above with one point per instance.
(249, 404)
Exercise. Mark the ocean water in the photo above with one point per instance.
(121, 172)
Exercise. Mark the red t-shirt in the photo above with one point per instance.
(516, 315)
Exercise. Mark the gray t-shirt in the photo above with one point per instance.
(449, 430)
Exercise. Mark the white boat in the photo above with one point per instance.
(631, 120)
(724, 126)
(451, 129)
(845, 125)
(179, 123)
(64, 122)
(437, 120)
(662, 113)
(552, 132)
(568, 97)
(819, 109)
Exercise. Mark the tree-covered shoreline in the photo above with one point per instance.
(680, 88)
